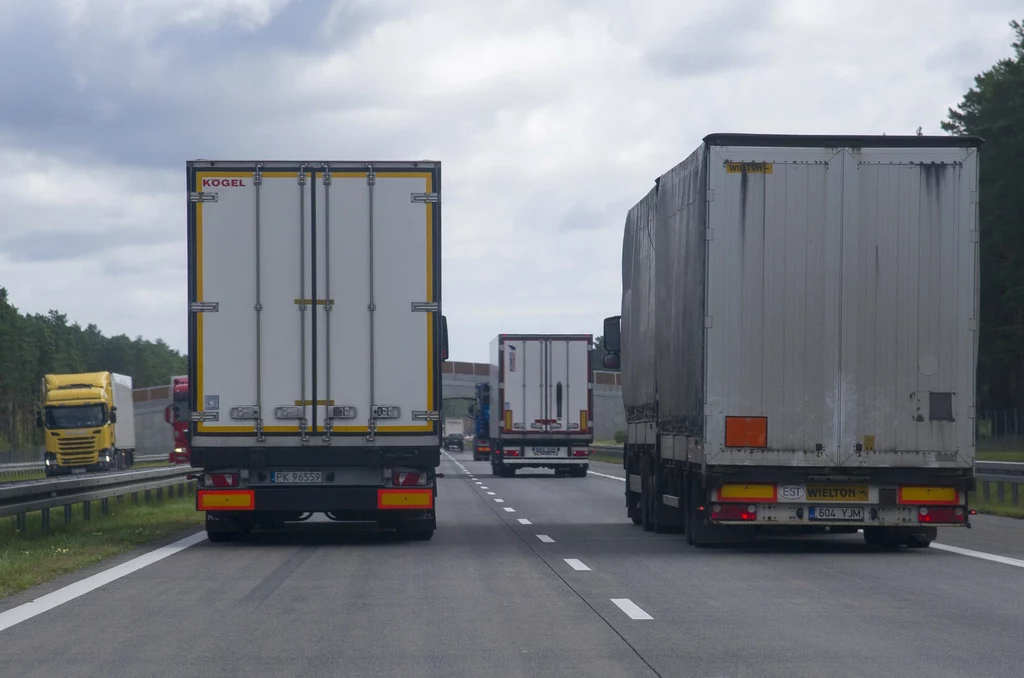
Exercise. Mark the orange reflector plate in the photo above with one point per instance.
(226, 500)
(746, 431)
(405, 499)
(748, 492)
(928, 495)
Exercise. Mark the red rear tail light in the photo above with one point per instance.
(408, 478)
(941, 514)
(221, 480)
(580, 453)
(734, 512)
(511, 453)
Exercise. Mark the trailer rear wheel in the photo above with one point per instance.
(419, 529)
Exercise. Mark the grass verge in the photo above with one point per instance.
(34, 558)
(1000, 455)
(607, 458)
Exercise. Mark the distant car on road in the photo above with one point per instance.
(453, 443)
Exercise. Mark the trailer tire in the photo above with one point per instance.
(417, 530)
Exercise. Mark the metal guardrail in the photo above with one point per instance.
(20, 499)
(28, 468)
(1000, 473)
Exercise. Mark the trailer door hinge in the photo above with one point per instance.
(204, 416)
(708, 324)
(425, 197)
(199, 196)
(426, 306)
(204, 306)
(711, 195)
(426, 415)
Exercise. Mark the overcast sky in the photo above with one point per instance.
(551, 118)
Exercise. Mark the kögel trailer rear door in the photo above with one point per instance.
(315, 292)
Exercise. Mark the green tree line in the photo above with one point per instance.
(994, 110)
(34, 345)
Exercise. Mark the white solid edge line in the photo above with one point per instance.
(979, 554)
(509, 509)
(546, 539)
(631, 609)
(524, 521)
(28, 610)
(605, 475)
(576, 564)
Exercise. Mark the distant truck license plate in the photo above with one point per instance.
(296, 477)
(835, 513)
(545, 451)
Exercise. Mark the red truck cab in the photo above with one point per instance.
(176, 414)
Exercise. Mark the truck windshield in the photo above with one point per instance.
(75, 416)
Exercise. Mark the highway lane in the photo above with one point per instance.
(476, 600)
(534, 575)
(803, 606)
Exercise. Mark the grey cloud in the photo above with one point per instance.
(46, 246)
(582, 217)
(713, 45)
(88, 93)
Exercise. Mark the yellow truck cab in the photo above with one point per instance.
(88, 422)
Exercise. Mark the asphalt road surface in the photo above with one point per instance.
(538, 576)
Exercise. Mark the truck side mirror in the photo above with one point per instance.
(611, 361)
(39, 419)
(113, 415)
(444, 338)
(612, 338)
(167, 414)
(472, 410)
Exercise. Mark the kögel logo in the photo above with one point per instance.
(511, 358)
(223, 182)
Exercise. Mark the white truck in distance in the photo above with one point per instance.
(454, 427)
(798, 338)
(541, 415)
(316, 340)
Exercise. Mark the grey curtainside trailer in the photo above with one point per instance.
(798, 338)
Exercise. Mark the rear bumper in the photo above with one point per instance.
(338, 500)
(544, 462)
(867, 515)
